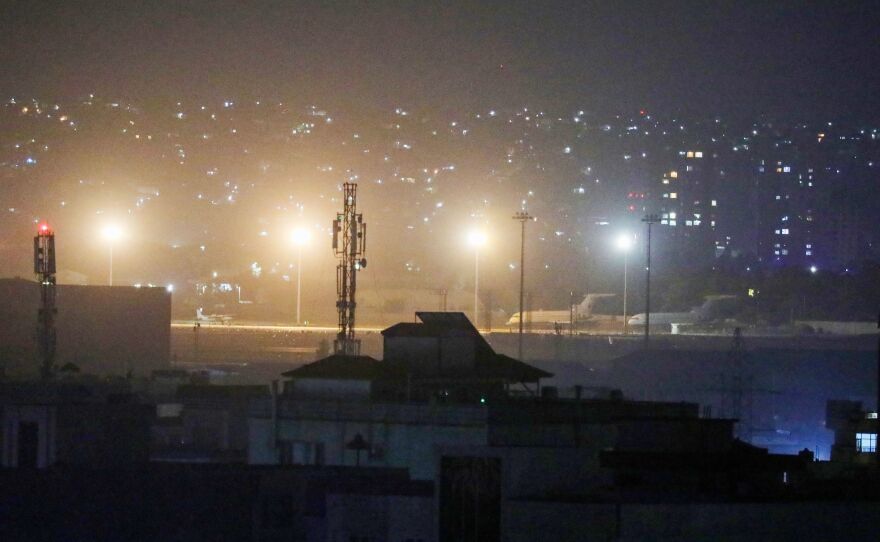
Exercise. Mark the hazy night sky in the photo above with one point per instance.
(739, 59)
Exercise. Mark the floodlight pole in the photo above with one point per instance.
(522, 217)
(650, 220)
(625, 268)
(476, 285)
(299, 265)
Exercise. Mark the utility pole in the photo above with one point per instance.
(349, 245)
(650, 220)
(44, 268)
(522, 217)
(442, 292)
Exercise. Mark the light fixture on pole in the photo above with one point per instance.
(301, 237)
(476, 239)
(111, 234)
(624, 243)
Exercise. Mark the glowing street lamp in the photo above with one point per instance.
(111, 234)
(476, 239)
(300, 238)
(624, 243)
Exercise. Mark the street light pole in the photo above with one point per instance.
(476, 240)
(476, 284)
(299, 265)
(650, 220)
(523, 217)
(300, 237)
(111, 234)
(625, 266)
(624, 244)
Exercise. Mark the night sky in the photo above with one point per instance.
(788, 59)
(209, 130)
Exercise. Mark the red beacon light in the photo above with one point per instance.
(44, 228)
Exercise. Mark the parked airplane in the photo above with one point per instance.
(212, 318)
(587, 310)
(714, 308)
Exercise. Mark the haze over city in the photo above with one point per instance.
(599, 215)
(207, 141)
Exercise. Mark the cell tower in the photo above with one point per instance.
(44, 268)
(349, 245)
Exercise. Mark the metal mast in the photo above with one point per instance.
(349, 245)
(650, 220)
(44, 268)
(522, 217)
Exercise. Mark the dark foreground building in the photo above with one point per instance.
(100, 329)
(442, 440)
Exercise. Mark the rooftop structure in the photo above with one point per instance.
(441, 358)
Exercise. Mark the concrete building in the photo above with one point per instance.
(204, 424)
(73, 424)
(100, 329)
(216, 503)
(855, 432)
(445, 407)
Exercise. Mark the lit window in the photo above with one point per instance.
(672, 215)
(673, 195)
(690, 154)
(698, 154)
(787, 169)
(809, 245)
(672, 222)
(784, 231)
(866, 442)
(808, 253)
(714, 203)
(673, 174)
(689, 168)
